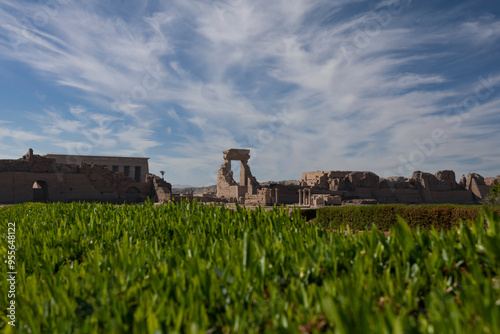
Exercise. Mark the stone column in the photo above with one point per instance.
(276, 195)
(309, 199)
(300, 196)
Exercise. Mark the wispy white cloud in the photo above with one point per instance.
(134, 140)
(307, 84)
(19, 135)
(485, 29)
(14, 142)
(79, 48)
(57, 124)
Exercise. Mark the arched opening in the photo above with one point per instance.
(40, 191)
(132, 195)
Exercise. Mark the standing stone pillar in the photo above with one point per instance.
(300, 196)
(276, 195)
(309, 199)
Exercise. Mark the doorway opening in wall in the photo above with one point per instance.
(40, 191)
(235, 168)
(132, 195)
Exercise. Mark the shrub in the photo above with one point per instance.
(494, 198)
(384, 216)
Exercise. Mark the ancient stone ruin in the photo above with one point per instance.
(45, 178)
(357, 187)
(39, 178)
(226, 185)
(247, 191)
(349, 187)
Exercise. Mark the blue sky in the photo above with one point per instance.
(386, 86)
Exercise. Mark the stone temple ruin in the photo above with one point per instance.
(226, 185)
(126, 179)
(348, 187)
(248, 191)
(41, 178)
(367, 187)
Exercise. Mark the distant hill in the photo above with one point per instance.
(182, 186)
(283, 183)
(189, 190)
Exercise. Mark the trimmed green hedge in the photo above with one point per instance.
(384, 216)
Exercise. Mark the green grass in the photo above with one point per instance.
(190, 268)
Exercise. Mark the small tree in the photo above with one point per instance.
(494, 198)
(162, 172)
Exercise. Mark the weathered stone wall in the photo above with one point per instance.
(324, 200)
(123, 165)
(323, 179)
(227, 187)
(475, 183)
(264, 197)
(161, 190)
(34, 177)
(225, 181)
(331, 187)
(420, 188)
(490, 181)
(285, 194)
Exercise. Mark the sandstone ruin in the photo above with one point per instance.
(226, 185)
(124, 179)
(322, 188)
(420, 188)
(40, 178)
(136, 168)
(248, 191)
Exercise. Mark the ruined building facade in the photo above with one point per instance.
(41, 178)
(136, 168)
(420, 188)
(122, 179)
(349, 187)
(227, 187)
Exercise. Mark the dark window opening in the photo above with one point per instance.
(126, 170)
(115, 168)
(138, 173)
